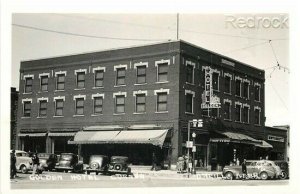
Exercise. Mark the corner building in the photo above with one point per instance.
(138, 100)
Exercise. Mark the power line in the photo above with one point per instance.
(84, 35)
(250, 46)
(276, 92)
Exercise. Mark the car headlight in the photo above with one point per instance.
(57, 164)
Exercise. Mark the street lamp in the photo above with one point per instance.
(194, 150)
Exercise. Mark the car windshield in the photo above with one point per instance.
(66, 157)
(22, 154)
(43, 155)
(119, 159)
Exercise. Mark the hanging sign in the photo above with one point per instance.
(209, 100)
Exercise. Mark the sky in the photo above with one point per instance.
(36, 36)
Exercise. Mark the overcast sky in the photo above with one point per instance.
(116, 30)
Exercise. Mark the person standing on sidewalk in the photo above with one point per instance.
(13, 160)
(244, 169)
(154, 161)
(35, 162)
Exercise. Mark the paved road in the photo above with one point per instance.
(51, 180)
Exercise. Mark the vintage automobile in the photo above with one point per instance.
(284, 166)
(119, 165)
(97, 164)
(69, 162)
(47, 160)
(256, 169)
(24, 162)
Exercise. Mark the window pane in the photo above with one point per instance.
(99, 75)
(227, 110)
(141, 70)
(189, 103)
(141, 79)
(79, 111)
(80, 76)
(162, 97)
(163, 68)
(162, 107)
(120, 109)
(27, 105)
(238, 87)
(99, 83)
(28, 89)
(98, 110)
(121, 81)
(79, 102)
(162, 77)
(60, 86)
(61, 78)
(140, 99)
(205, 112)
(43, 104)
(120, 100)
(59, 104)
(59, 112)
(28, 81)
(98, 101)
(214, 112)
(189, 74)
(44, 87)
(121, 72)
(140, 108)
(44, 79)
(215, 80)
(43, 112)
(80, 84)
(227, 84)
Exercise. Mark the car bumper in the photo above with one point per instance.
(63, 168)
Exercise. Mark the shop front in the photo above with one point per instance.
(137, 142)
(32, 141)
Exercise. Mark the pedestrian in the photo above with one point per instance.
(237, 162)
(244, 169)
(35, 162)
(180, 164)
(154, 161)
(13, 160)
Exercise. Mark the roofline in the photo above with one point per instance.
(142, 45)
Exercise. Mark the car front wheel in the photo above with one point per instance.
(283, 175)
(264, 176)
(229, 175)
(24, 169)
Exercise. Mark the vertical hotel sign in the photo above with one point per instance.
(209, 100)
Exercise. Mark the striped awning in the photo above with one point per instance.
(264, 144)
(64, 134)
(154, 137)
(241, 138)
(32, 134)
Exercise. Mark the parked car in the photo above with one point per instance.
(47, 160)
(24, 162)
(97, 164)
(69, 162)
(262, 169)
(119, 165)
(284, 166)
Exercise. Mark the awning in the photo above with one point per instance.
(236, 138)
(103, 128)
(69, 134)
(32, 134)
(264, 144)
(154, 137)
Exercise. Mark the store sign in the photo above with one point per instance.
(209, 100)
(219, 140)
(275, 138)
(194, 149)
(189, 144)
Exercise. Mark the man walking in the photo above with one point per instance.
(35, 162)
(13, 160)
(244, 169)
(154, 161)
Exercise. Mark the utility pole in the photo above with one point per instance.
(177, 27)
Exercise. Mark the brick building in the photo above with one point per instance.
(133, 101)
(13, 116)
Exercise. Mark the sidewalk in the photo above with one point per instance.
(200, 174)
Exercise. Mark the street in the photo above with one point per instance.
(57, 180)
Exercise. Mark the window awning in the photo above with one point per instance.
(236, 138)
(264, 144)
(70, 134)
(32, 134)
(154, 137)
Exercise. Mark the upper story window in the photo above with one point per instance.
(227, 109)
(98, 105)
(120, 104)
(28, 83)
(238, 85)
(162, 70)
(79, 104)
(246, 109)
(27, 107)
(98, 76)
(141, 69)
(257, 115)
(140, 103)
(43, 108)
(246, 89)
(189, 102)
(162, 100)
(238, 116)
(215, 81)
(120, 74)
(227, 83)
(190, 72)
(59, 106)
(257, 92)
(215, 112)
(44, 79)
(80, 78)
(60, 80)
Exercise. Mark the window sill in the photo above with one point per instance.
(228, 120)
(78, 115)
(79, 88)
(98, 87)
(96, 115)
(117, 86)
(189, 113)
(116, 114)
(162, 112)
(43, 92)
(188, 83)
(41, 117)
(58, 116)
(164, 82)
(59, 90)
(27, 93)
(25, 117)
(140, 84)
(139, 113)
